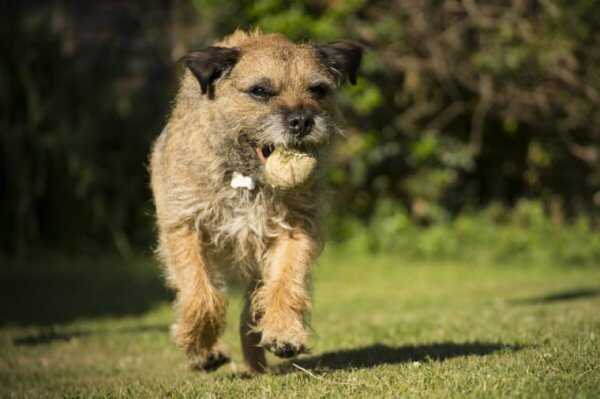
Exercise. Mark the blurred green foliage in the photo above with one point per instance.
(79, 111)
(460, 105)
(494, 235)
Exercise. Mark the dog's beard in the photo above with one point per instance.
(272, 132)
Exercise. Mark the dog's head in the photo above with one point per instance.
(266, 91)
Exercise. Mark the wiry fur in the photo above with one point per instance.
(206, 227)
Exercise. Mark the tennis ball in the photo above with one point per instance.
(289, 169)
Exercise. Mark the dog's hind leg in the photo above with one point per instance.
(283, 300)
(254, 354)
(200, 304)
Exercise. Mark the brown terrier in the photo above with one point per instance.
(237, 102)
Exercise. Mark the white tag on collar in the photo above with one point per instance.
(240, 181)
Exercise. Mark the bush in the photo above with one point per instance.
(459, 105)
(524, 234)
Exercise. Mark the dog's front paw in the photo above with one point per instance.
(284, 337)
(211, 361)
(285, 349)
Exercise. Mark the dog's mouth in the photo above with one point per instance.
(264, 152)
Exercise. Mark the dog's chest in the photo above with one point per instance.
(241, 224)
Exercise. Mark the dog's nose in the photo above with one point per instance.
(300, 122)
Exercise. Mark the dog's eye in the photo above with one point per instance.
(319, 90)
(261, 92)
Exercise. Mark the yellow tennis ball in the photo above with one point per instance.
(288, 169)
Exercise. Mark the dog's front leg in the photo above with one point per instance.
(283, 300)
(200, 304)
(254, 354)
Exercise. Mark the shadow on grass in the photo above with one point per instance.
(58, 291)
(51, 335)
(379, 354)
(569, 295)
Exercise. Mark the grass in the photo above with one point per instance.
(382, 328)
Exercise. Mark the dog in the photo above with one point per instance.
(238, 101)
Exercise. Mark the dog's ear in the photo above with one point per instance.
(209, 64)
(341, 58)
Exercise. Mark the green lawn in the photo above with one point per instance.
(382, 328)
